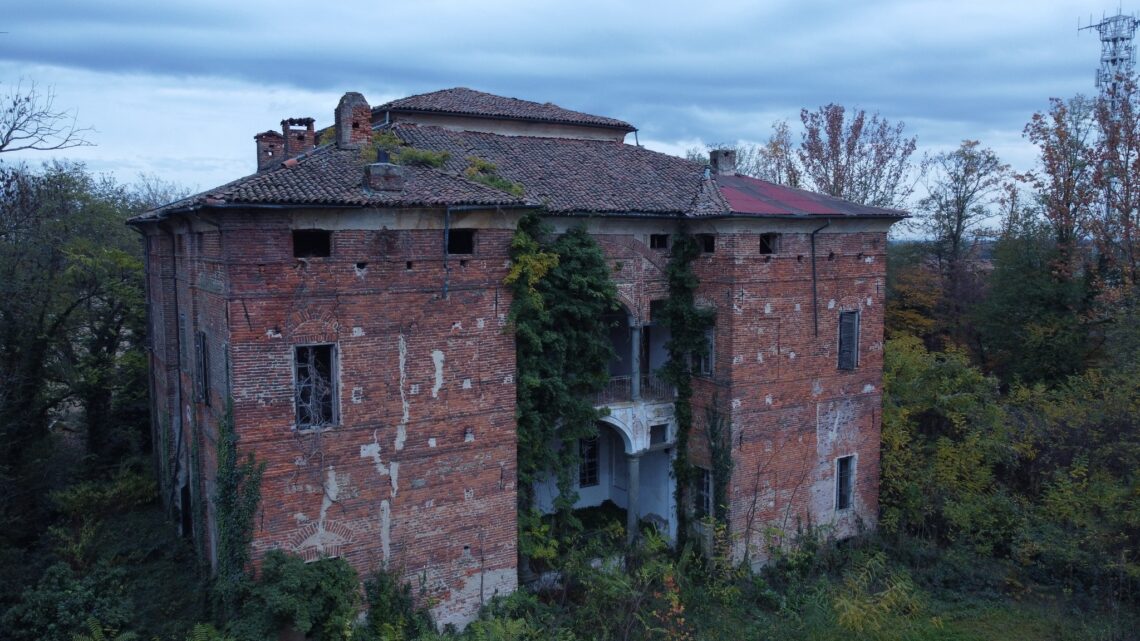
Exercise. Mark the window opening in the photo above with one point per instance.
(703, 497)
(769, 243)
(314, 385)
(702, 364)
(844, 477)
(707, 243)
(461, 241)
(659, 241)
(588, 462)
(203, 352)
(312, 243)
(848, 340)
(658, 434)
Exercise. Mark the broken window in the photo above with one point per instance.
(588, 462)
(314, 382)
(202, 347)
(703, 496)
(461, 241)
(769, 243)
(844, 481)
(702, 364)
(312, 243)
(659, 241)
(707, 243)
(848, 340)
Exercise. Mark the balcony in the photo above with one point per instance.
(620, 390)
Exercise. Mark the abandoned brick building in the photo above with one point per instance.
(352, 312)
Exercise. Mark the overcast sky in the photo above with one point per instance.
(179, 89)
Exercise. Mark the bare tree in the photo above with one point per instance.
(30, 120)
(863, 160)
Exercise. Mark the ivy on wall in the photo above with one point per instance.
(687, 324)
(563, 294)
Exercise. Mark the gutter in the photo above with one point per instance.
(814, 294)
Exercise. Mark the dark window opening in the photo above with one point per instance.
(703, 496)
(588, 462)
(461, 241)
(463, 263)
(844, 485)
(408, 265)
(659, 241)
(702, 364)
(769, 243)
(361, 265)
(314, 382)
(848, 340)
(312, 243)
(707, 243)
(658, 434)
(186, 512)
(203, 352)
(656, 311)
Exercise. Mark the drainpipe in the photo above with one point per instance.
(814, 295)
(635, 360)
(446, 240)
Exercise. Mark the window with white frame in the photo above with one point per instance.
(314, 385)
(703, 496)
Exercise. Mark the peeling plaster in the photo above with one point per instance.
(479, 323)
(767, 308)
(358, 331)
(395, 477)
(466, 383)
(437, 359)
(372, 451)
(868, 388)
(386, 530)
(402, 428)
(831, 304)
(431, 442)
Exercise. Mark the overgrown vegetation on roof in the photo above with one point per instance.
(485, 172)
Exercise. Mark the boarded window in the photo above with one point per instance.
(314, 379)
(659, 241)
(312, 243)
(769, 243)
(848, 340)
(588, 462)
(707, 243)
(844, 481)
(461, 241)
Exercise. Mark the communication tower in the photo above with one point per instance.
(1117, 53)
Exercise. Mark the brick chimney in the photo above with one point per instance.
(299, 136)
(353, 119)
(723, 161)
(270, 149)
(384, 176)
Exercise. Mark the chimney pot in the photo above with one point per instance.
(723, 161)
(299, 136)
(384, 176)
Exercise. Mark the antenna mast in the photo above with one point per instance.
(1117, 53)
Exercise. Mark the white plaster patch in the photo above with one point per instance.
(869, 301)
(272, 333)
(791, 356)
(464, 601)
(816, 388)
(437, 359)
(332, 491)
(372, 451)
(509, 379)
(768, 399)
(736, 403)
(868, 388)
(456, 326)
(357, 395)
(414, 389)
(831, 418)
(358, 331)
(402, 427)
(431, 442)
(831, 304)
(386, 530)
(479, 323)
(395, 477)
(469, 436)
(797, 308)
(869, 259)
(468, 494)
(767, 308)
(429, 503)
(466, 383)
(759, 357)
(300, 518)
(736, 360)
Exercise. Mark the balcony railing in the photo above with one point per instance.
(620, 390)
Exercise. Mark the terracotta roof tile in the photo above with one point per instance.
(461, 100)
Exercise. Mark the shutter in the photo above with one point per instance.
(848, 340)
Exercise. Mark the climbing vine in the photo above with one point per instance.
(719, 431)
(237, 493)
(562, 296)
(687, 324)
